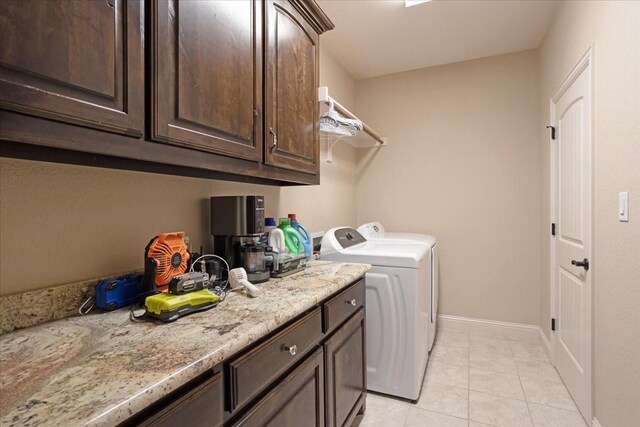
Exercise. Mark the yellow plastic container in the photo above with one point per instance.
(168, 307)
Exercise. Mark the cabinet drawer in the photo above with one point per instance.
(297, 401)
(199, 407)
(256, 369)
(339, 308)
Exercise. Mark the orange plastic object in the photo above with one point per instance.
(171, 254)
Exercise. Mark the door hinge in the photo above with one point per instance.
(553, 324)
(553, 228)
(553, 132)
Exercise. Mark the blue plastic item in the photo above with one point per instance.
(307, 240)
(119, 292)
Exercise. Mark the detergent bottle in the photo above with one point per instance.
(307, 240)
(269, 224)
(274, 236)
(292, 239)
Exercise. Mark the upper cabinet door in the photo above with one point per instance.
(79, 62)
(207, 75)
(291, 131)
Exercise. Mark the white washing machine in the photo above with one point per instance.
(398, 304)
(375, 231)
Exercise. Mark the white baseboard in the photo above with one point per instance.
(531, 333)
(546, 344)
(595, 422)
(511, 330)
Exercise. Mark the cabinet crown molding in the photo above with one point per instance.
(316, 16)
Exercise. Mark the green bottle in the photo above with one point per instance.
(292, 238)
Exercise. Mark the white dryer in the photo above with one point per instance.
(398, 304)
(375, 231)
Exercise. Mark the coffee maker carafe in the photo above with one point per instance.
(254, 261)
(237, 223)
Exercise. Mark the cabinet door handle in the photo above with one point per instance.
(274, 139)
(352, 302)
(293, 349)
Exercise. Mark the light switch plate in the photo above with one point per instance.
(623, 206)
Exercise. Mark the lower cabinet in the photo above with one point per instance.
(345, 374)
(200, 406)
(257, 369)
(325, 388)
(310, 372)
(297, 401)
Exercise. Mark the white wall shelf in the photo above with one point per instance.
(368, 138)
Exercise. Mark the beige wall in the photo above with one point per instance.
(63, 223)
(463, 164)
(613, 30)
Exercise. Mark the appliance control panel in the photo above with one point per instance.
(255, 213)
(371, 230)
(348, 237)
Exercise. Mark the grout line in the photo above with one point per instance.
(522, 388)
(438, 412)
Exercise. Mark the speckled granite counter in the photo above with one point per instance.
(102, 368)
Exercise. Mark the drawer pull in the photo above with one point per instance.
(293, 349)
(352, 302)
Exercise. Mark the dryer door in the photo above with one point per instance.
(397, 340)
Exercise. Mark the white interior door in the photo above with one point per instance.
(571, 263)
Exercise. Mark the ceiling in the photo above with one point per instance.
(377, 37)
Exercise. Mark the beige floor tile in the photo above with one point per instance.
(443, 373)
(548, 392)
(418, 417)
(500, 384)
(452, 338)
(534, 339)
(384, 412)
(545, 416)
(524, 350)
(491, 347)
(476, 424)
(498, 411)
(537, 369)
(445, 399)
(451, 355)
(496, 362)
(486, 337)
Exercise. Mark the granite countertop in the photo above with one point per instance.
(102, 368)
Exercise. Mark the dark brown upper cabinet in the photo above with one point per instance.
(207, 66)
(206, 88)
(78, 62)
(291, 85)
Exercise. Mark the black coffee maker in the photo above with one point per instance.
(237, 225)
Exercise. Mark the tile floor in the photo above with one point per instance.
(476, 379)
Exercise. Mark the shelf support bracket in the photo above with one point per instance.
(330, 145)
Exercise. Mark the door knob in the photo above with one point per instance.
(584, 263)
